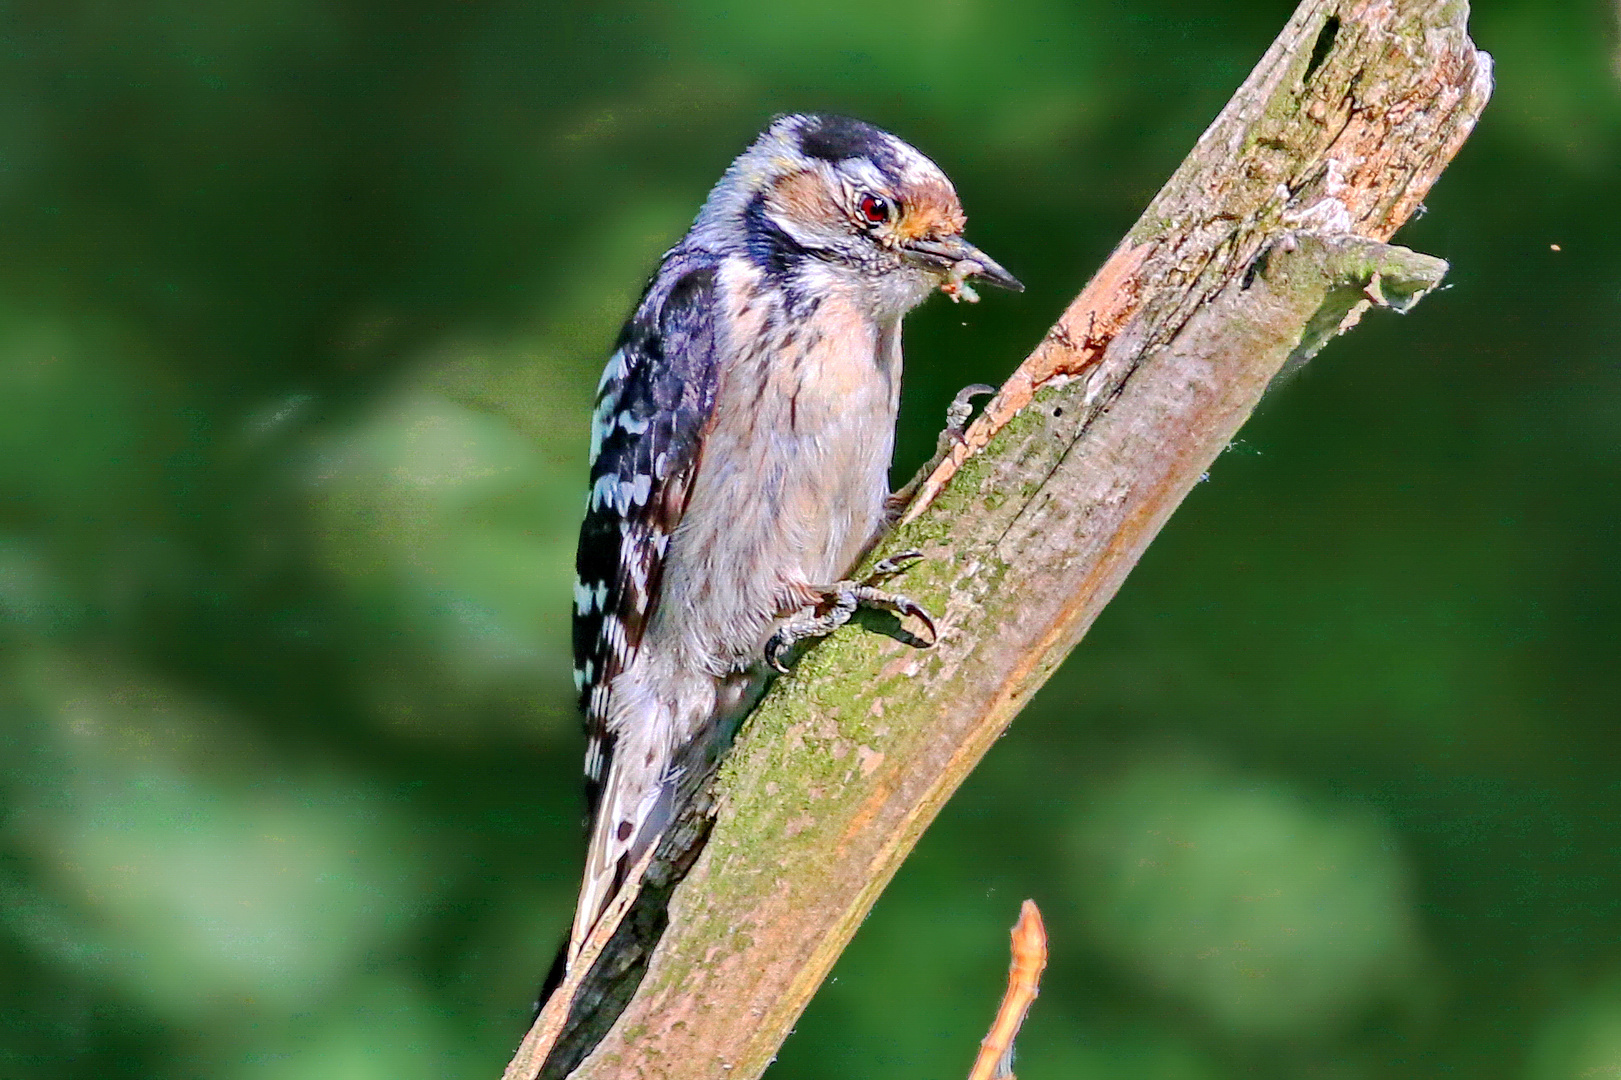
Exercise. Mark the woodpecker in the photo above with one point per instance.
(740, 452)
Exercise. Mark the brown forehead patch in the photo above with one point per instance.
(929, 209)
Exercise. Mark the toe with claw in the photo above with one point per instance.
(955, 434)
(840, 600)
(868, 596)
(887, 568)
(961, 408)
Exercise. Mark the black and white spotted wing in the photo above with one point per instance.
(653, 403)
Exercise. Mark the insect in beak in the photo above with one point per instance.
(960, 260)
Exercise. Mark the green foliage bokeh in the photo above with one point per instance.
(302, 303)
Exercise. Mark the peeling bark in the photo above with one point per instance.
(1269, 239)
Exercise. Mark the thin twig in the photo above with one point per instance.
(995, 1061)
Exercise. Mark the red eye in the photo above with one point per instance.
(875, 208)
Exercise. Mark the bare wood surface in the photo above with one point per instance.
(1266, 242)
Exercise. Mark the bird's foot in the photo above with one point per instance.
(840, 600)
(957, 414)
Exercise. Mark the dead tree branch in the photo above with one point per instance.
(1269, 239)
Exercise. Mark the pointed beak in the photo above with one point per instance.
(942, 254)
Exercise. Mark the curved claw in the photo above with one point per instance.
(914, 609)
(892, 565)
(773, 651)
(962, 407)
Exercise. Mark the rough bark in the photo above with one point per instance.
(1267, 241)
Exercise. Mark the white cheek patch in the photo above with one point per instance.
(814, 236)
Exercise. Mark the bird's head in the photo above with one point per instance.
(830, 196)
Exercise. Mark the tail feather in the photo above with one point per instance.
(630, 815)
(642, 766)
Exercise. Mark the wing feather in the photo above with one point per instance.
(653, 405)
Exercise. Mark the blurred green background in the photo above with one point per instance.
(301, 307)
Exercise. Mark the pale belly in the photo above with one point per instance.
(790, 491)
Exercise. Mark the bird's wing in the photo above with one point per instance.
(653, 406)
